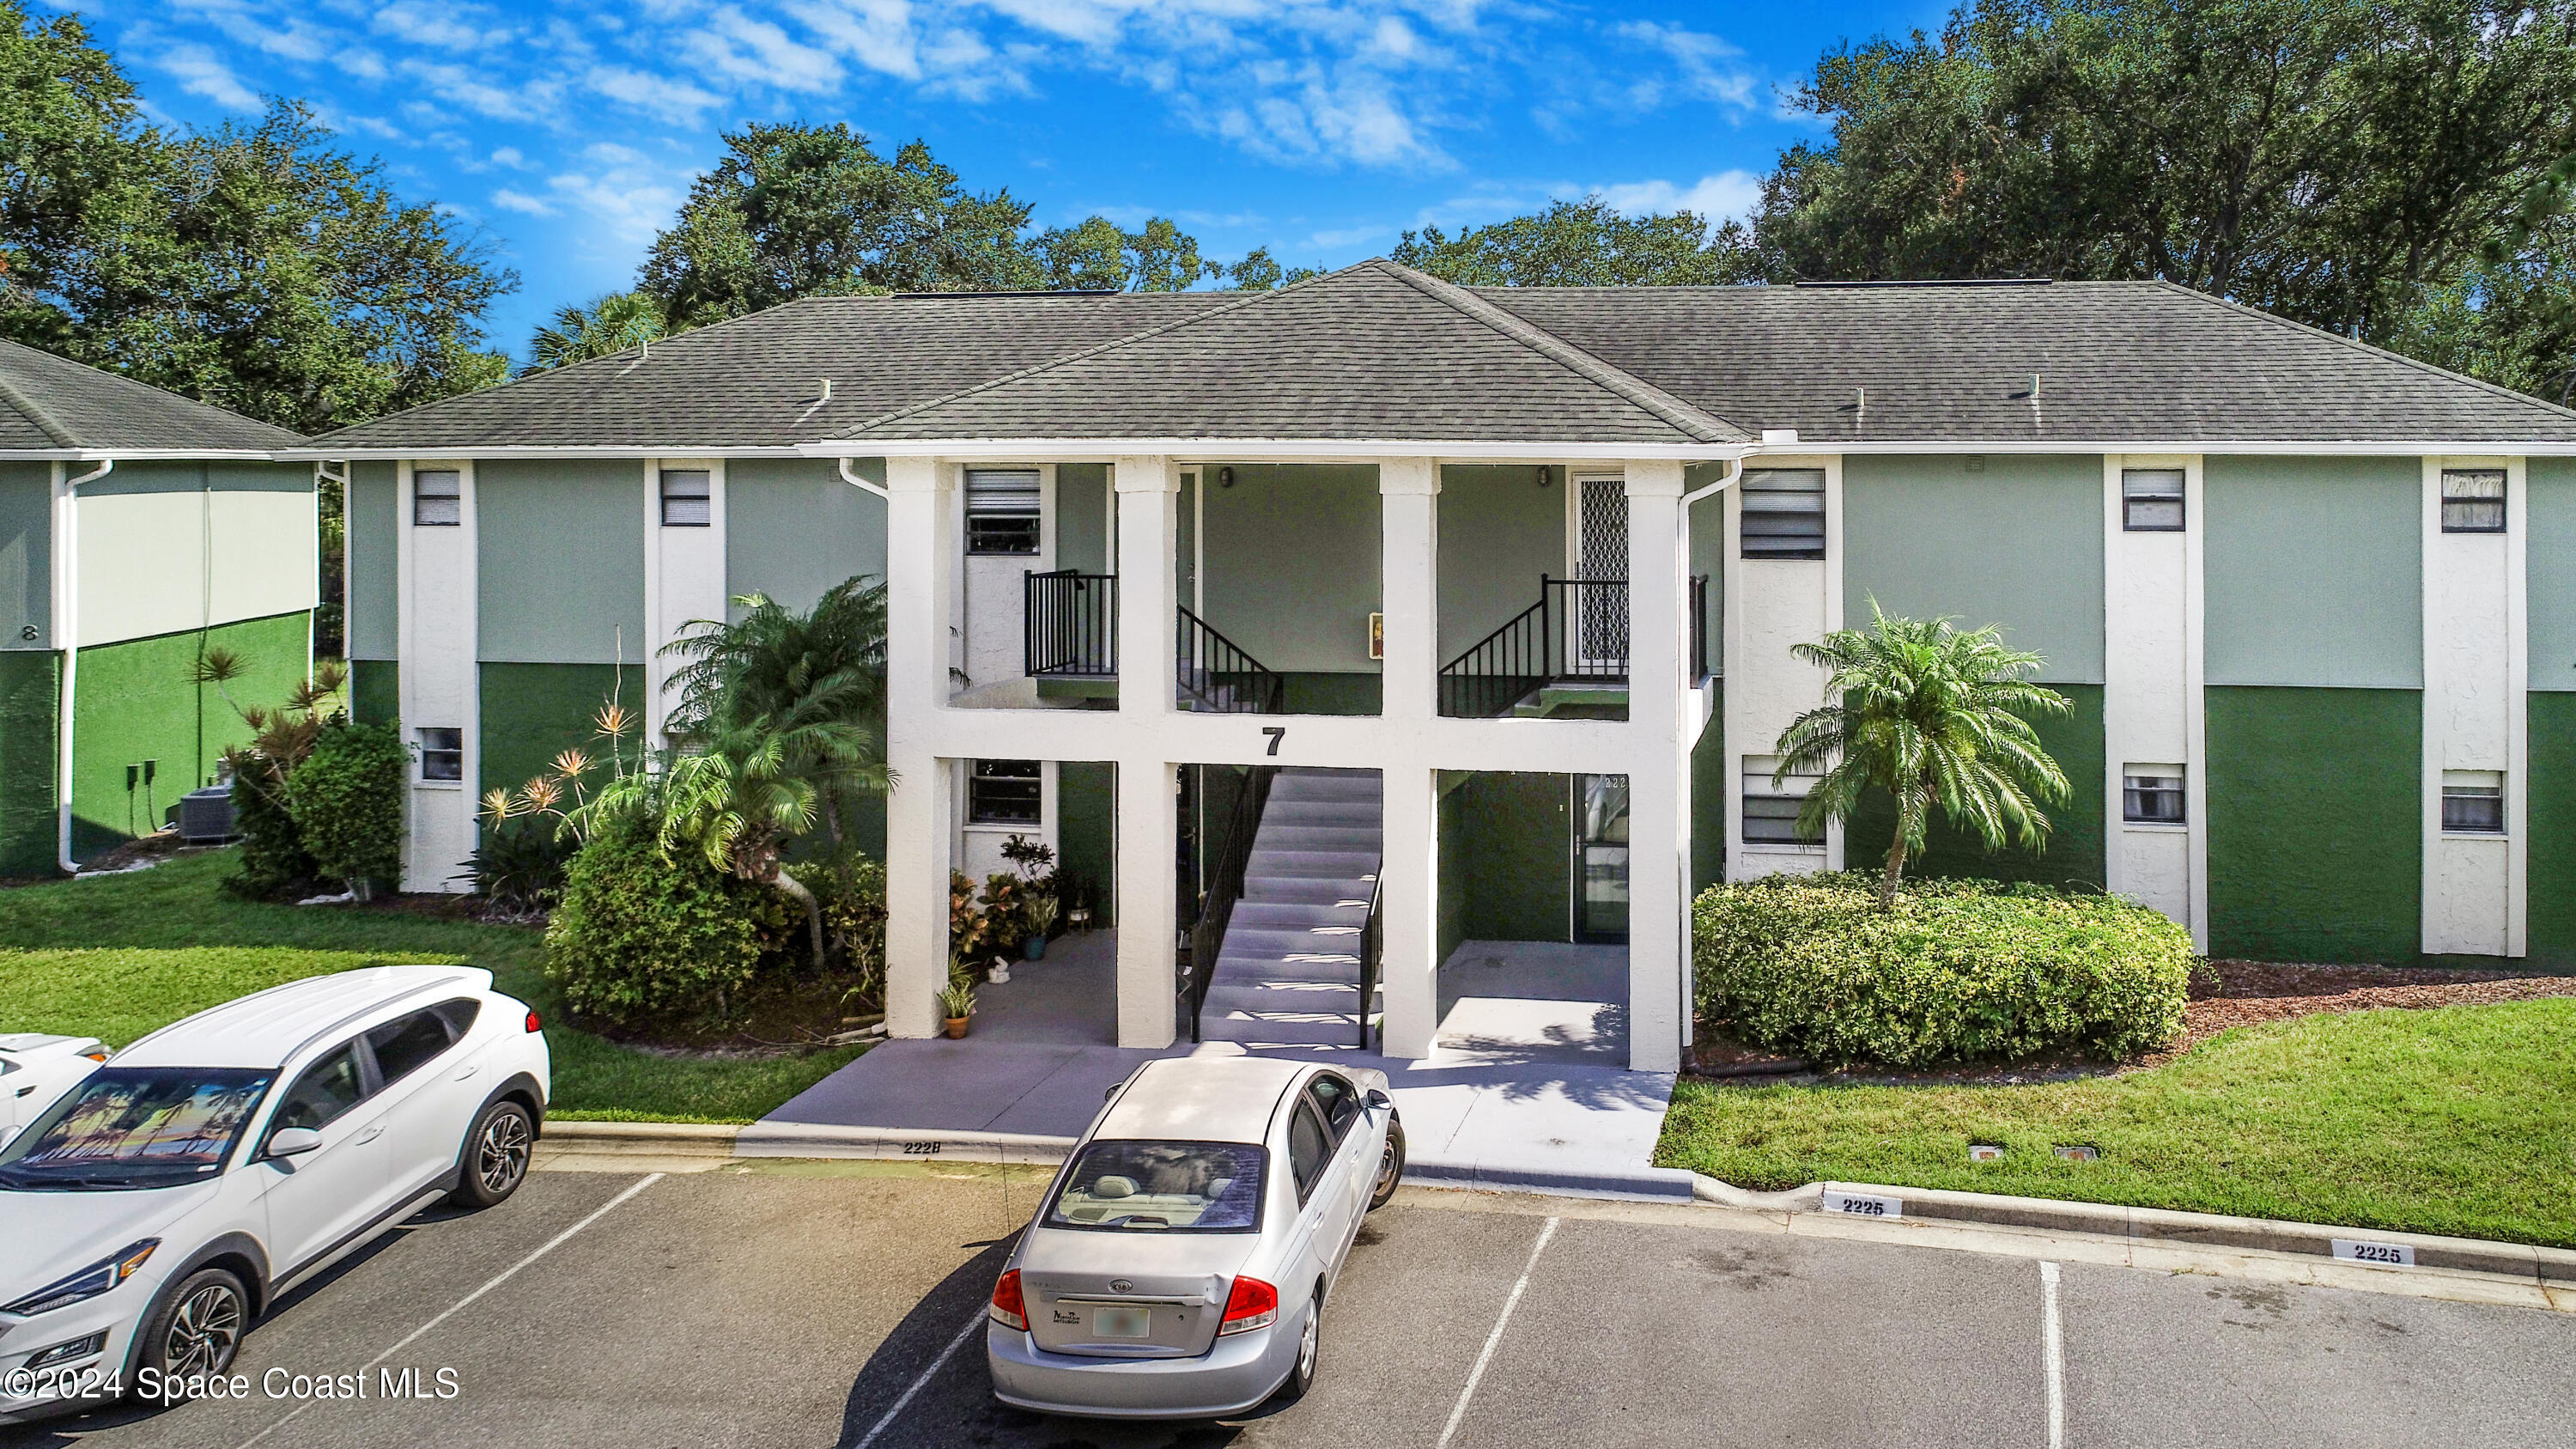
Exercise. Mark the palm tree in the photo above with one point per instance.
(1933, 717)
(609, 324)
(777, 719)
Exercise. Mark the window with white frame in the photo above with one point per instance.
(1784, 513)
(2151, 500)
(2472, 802)
(1004, 792)
(1002, 506)
(1771, 806)
(442, 753)
(688, 498)
(437, 498)
(2473, 500)
(2151, 794)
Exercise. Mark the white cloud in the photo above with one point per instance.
(510, 200)
(446, 27)
(200, 73)
(1720, 197)
(759, 52)
(509, 156)
(448, 86)
(625, 192)
(1705, 67)
(672, 99)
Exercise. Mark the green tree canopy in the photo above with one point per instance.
(2331, 161)
(603, 326)
(1586, 244)
(256, 267)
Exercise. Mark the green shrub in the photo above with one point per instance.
(520, 864)
(851, 891)
(347, 800)
(273, 857)
(641, 937)
(1959, 970)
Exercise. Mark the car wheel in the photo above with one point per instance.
(1310, 1344)
(1390, 1165)
(197, 1326)
(495, 1158)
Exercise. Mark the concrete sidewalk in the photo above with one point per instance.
(1524, 1090)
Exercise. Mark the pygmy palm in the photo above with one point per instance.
(1932, 716)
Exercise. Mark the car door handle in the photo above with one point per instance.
(372, 1133)
(470, 1069)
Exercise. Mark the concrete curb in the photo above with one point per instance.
(1653, 1184)
(2208, 1230)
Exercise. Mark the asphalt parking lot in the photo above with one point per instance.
(823, 1304)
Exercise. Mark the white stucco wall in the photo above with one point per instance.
(2151, 700)
(2475, 674)
(1771, 605)
(438, 683)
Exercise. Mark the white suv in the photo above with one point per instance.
(212, 1166)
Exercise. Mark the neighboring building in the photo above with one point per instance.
(137, 528)
(1536, 559)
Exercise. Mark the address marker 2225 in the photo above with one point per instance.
(2393, 1255)
(1864, 1205)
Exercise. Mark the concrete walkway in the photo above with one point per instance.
(1525, 1090)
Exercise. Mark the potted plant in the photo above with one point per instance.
(1040, 912)
(957, 1003)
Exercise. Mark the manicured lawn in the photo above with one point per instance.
(116, 956)
(2449, 1121)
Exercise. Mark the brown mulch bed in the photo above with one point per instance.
(2224, 995)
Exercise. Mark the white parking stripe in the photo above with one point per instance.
(504, 1276)
(927, 1375)
(1494, 1339)
(2053, 1341)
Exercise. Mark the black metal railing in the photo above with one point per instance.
(1577, 633)
(1372, 949)
(1072, 625)
(1213, 673)
(1216, 908)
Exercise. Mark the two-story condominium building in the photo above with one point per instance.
(138, 529)
(1414, 613)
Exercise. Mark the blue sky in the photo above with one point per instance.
(566, 134)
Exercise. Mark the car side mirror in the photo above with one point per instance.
(293, 1141)
(1379, 1101)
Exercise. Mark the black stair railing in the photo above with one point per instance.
(1072, 624)
(1216, 909)
(1372, 949)
(1499, 669)
(1591, 627)
(1577, 633)
(1214, 673)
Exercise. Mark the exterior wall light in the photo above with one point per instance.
(1225, 477)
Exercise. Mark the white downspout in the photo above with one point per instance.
(1734, 470)
(67, 622)
(855, 481)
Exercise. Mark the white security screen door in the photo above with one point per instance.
(1597, 616)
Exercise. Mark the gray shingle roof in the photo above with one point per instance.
(1371, 351)
(1379, 351)
(52, 404)
(2116, 361)
(752, 382)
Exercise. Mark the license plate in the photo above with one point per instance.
(1122, 1322)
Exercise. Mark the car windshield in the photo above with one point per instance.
(1204, 1187)
(128, 1127)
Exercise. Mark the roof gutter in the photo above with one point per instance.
(1078, 450)
(855, 481)
(67, 622)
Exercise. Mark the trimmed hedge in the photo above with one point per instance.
(1966, 970)
(641, 937)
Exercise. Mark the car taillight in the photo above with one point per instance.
(1253, 1304)
(533, 1023)
(1009, 1309)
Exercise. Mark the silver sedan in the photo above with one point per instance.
(1179, 1266)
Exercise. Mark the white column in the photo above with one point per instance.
(2475, 718)
(1147, 817)
(1659, 774)
(1771, 606)
(1409, 873)
(920, 812)
(2151, 695)
(684, 579)
(439, 679)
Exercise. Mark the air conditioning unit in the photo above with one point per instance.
(206, 816)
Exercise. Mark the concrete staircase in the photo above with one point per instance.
(1289, 971)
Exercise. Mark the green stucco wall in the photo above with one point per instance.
(1311, 693)
(2550, 565)
(30, 689)
(2016, 542)
(1292, 564)
(1084, 513)
(1450, 820)
(1517, 841)
(2075, 852)
(134, 703)
(2315, 824)
(375, 691)
(2313, 572)
(1708, 798)
(374, 567)
(27, 558)
(793, 529)
(1086, 805)
(533, 712)
(1499, 531)
(1708, 553)
(2551, 877)
(559, 561)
